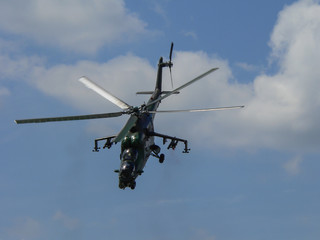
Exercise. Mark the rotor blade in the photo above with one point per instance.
(197, 110)
(104, 93)
(124, 131)
(183, 86)
(171, 49)
(171, 77)
(170, 63)
(69, 118)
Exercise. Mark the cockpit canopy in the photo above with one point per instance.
(128, 158)
(129, 154)
(127, 167)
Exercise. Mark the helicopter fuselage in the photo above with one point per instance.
(137, 136)
(138, 145)
(136, 148)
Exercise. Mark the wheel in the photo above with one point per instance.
(121, 185)
(161, 159)
(156, 149)
(133, 185)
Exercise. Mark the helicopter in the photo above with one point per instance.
(137, 137)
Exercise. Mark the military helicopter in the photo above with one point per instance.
(137, 136)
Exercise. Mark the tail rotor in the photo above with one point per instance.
(170, 63)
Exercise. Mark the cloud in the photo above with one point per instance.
(297, 26)
(247, 67)
(159, 9)
(122, 76)
(191, 34)
(26, 228)
(281, 109)
(18, 67)
(286, 103)
(68, 222)
(7, 46)
(4, 92)
(293, 166)
(82, 26)
(204, 234)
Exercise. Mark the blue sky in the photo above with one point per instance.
(251, 173)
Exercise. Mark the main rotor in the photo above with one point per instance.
(134, 112)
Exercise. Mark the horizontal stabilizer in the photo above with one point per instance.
(181, 87)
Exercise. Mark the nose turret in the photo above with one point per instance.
(127, 167)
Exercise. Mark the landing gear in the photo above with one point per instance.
(133, 185)
(155, 152)
(155, 149)
(122, 185)
(161, 158)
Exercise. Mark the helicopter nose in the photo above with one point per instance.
(126, 170)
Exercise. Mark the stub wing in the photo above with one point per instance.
(108, 143)
(174, 141)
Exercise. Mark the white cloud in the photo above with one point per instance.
(4, 92)
(122, 76)
(293, 166)
(281, 109)
(286, 103)
(204, 234)
(26, 228)
(159, 9)
(17, 67)
(191, 34)
(8, 46)
(68, 222)
(82, 26)
(247, 67)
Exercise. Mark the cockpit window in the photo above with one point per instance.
(126, 170)
(127, 166)
(129, 155)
